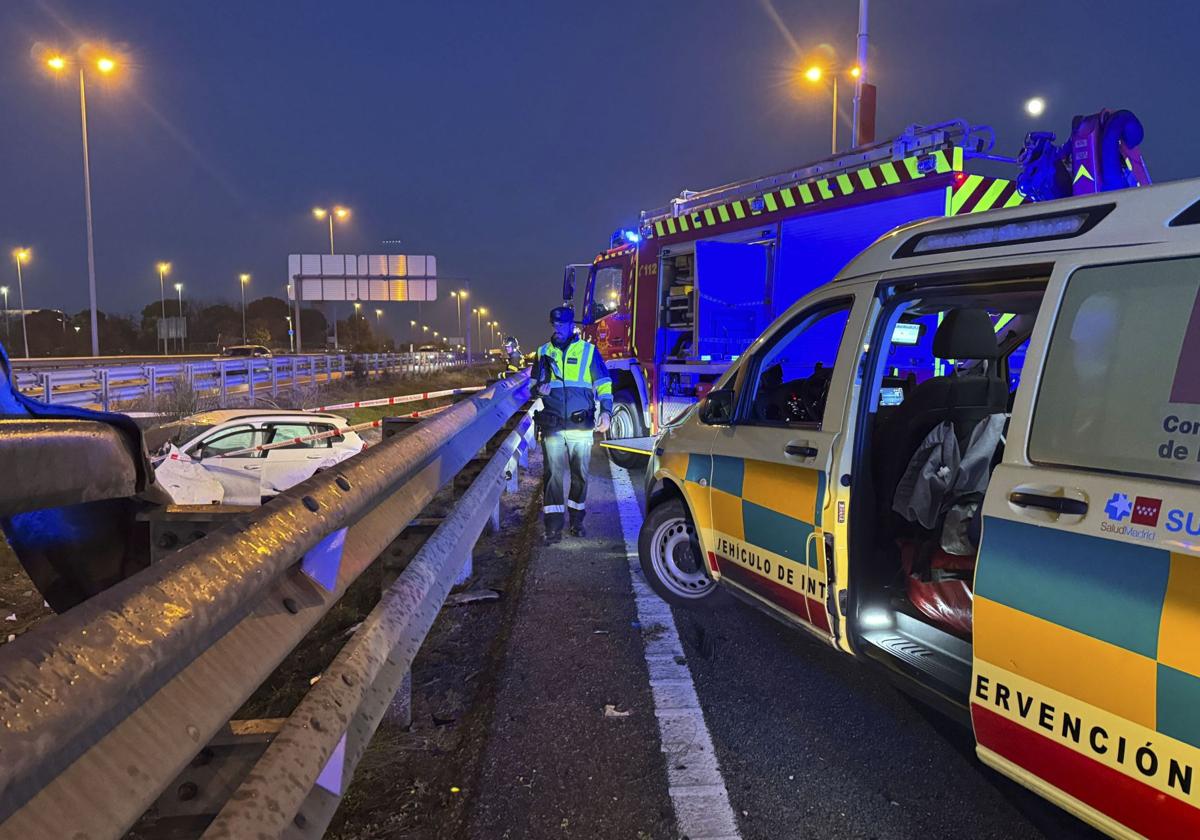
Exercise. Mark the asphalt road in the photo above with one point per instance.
(811, 742)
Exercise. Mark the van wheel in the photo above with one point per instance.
(626, 423)
(671, 559)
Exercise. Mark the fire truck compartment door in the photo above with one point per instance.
(731, 292)
(816, 246)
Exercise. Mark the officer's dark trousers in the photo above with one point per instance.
(563, 453)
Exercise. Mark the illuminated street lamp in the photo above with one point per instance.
(459, 297)
(341, 214)
(164, 268)
(182, 318)
(824, 63)
(357, 309)
(22, 255)
(87, 57)
(479, 313)
(244, 278)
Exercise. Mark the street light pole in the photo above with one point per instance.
(861, 78)
(163, 268)
(245, 278)
(87, 205)
(341, 213)
(7, 322)
(21, 255)
(833, 150)
(182, 318)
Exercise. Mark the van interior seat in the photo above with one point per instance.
(964, 399)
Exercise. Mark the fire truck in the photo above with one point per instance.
(673, 302)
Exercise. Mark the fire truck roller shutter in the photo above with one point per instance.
(814, 247)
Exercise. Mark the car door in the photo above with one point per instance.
(769, 484)
(240, 473)
(1086, 653)
(289, 465)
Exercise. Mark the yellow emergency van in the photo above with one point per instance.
(974, 459)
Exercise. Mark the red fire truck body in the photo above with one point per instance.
(673, 304)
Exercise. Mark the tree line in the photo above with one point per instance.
(210, 327)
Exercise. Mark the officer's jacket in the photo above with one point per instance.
(578, 378)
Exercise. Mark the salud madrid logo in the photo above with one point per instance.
(1142, 511)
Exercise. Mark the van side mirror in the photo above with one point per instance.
(717, 407)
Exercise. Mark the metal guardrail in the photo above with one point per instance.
(105, 705)
(106, 385)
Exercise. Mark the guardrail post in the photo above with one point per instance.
(250, 380)
(399, 711)
(48, 386)
(152, 382)
(104, 388)
(329, 369)
(221, 367)
(274, 379)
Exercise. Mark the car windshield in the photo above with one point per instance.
(177, 433)
(238, 351)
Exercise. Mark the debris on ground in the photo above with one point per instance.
(611, 711)
(11, 617)
(474, 596)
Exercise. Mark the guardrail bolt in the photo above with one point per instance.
(300, 821)
(316, 724)
(312, 504)
(343, 482)
(291, 606)
(205, 756)
(188, 790)
(168, 539)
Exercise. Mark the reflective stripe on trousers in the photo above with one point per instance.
(563, 453)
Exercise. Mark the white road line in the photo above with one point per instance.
(698, 794)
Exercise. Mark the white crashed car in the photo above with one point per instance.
(203, 460)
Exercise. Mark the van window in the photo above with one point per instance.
(1121, 385)
(794, 372)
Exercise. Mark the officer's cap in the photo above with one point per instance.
(562, 315)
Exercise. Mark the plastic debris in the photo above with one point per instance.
(611, 711)
(10, 617)
(314, 680)
(455, 790)
(12, 637)
(474, 596)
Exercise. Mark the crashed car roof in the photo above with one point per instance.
(225, 415)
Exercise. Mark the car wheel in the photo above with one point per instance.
(671, 558)
(626, 423)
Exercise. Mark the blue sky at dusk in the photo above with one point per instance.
(506, 138)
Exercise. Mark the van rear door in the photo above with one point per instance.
(1086, 657)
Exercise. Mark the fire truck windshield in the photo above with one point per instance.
(604, 292)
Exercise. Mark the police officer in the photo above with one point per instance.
(571, 377)
(512, 354)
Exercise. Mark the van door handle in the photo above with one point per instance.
(1055, 504)
(801, 450)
